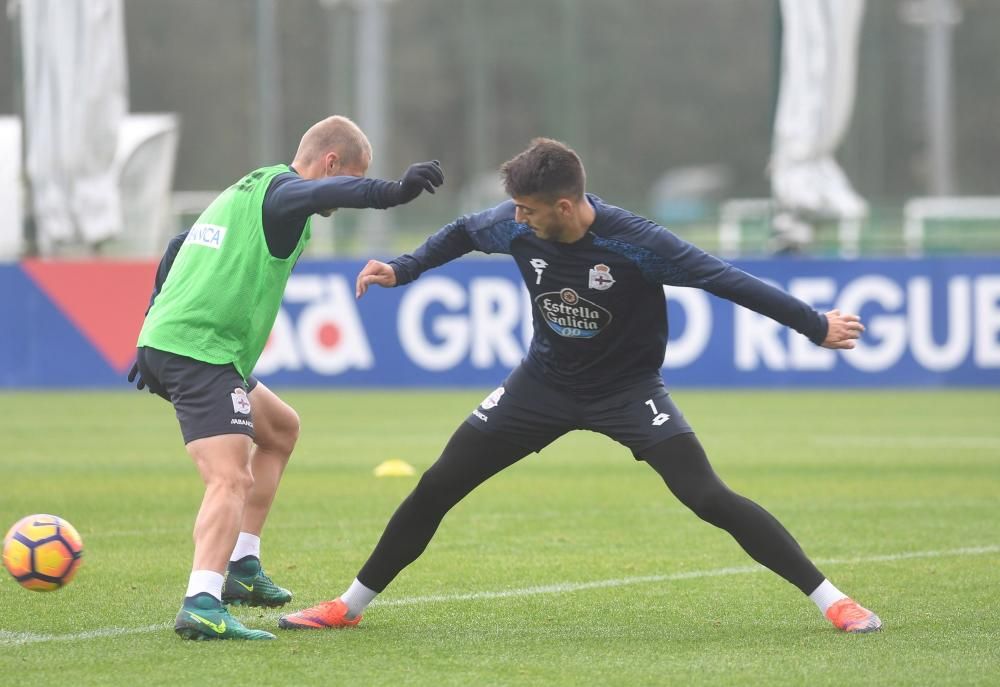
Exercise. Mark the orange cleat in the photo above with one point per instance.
(850, 616)
(329, 614)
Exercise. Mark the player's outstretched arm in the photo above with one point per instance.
(291, 198)
(374, 272)
(842, 330)
(420, 177)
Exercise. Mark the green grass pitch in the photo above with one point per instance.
(574, 567)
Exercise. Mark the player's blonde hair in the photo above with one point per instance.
(334, 134)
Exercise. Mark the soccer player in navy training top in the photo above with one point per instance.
(595, 273)
(217, 292)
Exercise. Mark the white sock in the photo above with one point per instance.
(246, 545)
(205, 581)
(826, 595)
(357, 598)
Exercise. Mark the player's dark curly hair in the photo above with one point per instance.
(548, 169)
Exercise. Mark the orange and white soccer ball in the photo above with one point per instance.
(42, 552)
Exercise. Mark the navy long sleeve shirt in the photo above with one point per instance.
(599, 310)
(289, 201)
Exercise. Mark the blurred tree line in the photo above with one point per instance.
(638, 87)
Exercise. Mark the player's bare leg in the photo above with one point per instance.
(276, 429)
(224, 464)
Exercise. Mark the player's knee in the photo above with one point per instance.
(243, 481)
(288, 431)
(238, 482)
(282, 432)
(429, 488)
(435, 491)
(712, 504)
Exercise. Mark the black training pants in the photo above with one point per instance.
(471, 457)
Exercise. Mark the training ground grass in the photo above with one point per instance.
(897, 493)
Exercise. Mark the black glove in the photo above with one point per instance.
(140, 384)
(421, 176)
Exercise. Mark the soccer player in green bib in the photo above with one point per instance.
(217, 293)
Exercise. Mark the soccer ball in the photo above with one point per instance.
(42, 552)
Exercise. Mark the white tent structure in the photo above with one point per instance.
(819, 50)
(93, 169)
(11, 202)
(75, 98)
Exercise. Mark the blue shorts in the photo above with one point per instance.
(527, 412)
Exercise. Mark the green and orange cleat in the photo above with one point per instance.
(850, 616)
(202, 617)
(326, 615)
(248, 585)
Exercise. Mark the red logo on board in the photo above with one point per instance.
(105, 300)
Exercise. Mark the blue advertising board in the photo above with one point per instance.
(931, 322)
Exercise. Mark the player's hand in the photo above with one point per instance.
(419, 177)
(842, 330)
(135, 376)
(374, 272)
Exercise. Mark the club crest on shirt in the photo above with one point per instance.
(241, 404)
(600, 277)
